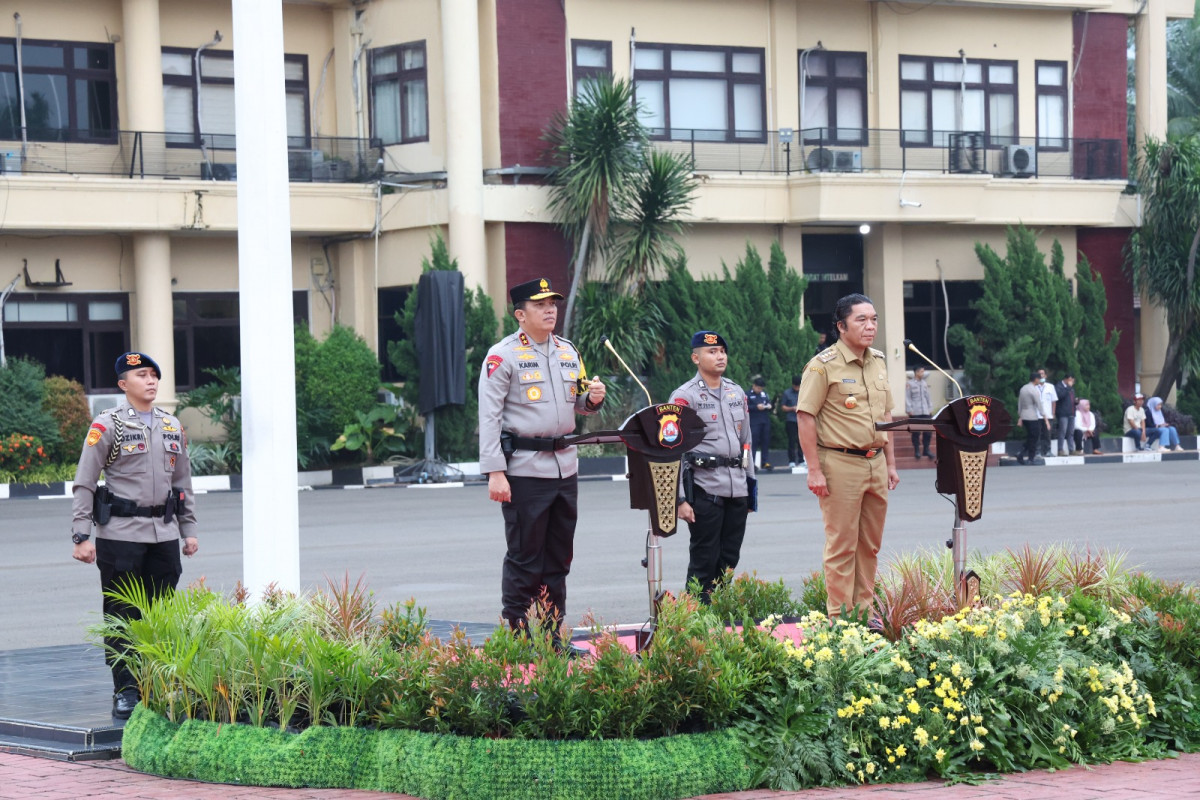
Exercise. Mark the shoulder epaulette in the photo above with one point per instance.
(876, 353)
(827, 355)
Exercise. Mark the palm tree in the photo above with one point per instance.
(603, 172)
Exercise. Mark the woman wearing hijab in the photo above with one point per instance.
(1085, 428)
(1168, 437)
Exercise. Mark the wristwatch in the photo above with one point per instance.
(80, 538)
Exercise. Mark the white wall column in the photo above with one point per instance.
(270, 512)
(1150, 86)
(883, 279)
(464, 139)
(153, 321)
(143, 86)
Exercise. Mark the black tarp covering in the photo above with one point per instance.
(441, 336)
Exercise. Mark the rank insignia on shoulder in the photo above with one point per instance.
(816, 369)
(828, 354)
(523, 339)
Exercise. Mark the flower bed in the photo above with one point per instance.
(1023, 681)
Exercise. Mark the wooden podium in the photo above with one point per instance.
(655, 439)
(966, 429)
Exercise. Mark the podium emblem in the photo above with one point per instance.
(980, 423)
(669, 434)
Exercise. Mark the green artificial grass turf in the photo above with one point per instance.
(437, 766)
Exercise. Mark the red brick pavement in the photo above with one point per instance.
(26, 778)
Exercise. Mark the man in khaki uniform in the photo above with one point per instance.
(844, 392)
(528, 398)
(144, 508)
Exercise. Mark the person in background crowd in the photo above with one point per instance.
(1086, 438)
(918, 403)
(1048, 399)
(760, 420)
(1135, 424)
(788, 405)
(1168, 436)
(1029, 417)
(1064, 413)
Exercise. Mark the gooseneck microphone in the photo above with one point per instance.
(910, 346)
(604, 341)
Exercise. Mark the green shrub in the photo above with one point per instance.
(217, 400)
(22, 404)
(46, 473)
(747, 598)
(335, 378)
(67, 403)
(21, 453)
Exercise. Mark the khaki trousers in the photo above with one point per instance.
(854, 513)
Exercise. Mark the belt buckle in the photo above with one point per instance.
(872, 452)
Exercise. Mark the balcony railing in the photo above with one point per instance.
(138, 154)
(830, 150)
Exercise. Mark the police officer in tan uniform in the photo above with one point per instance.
(722, 472)
(529, 394)
(851, 468)
(144, 508)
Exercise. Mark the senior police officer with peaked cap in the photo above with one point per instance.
(144, 508)
(530, 389)
(843, 393)
(721, 470)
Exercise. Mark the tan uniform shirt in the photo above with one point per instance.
(150, 462)
(530, 390)
(847, 395)
(726, 430)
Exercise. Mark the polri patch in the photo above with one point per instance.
(492, 364)
(680, 401)
(93, 436)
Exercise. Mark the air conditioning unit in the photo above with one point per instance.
(822, 159)
(1020, 160)
(847, 161)
(218, 172)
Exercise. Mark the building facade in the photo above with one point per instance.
(929, 125)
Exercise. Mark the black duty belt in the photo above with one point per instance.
(538, 443)
(874, 451)
(705, 461)
(131, 510)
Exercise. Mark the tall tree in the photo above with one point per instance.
(1096, 347)
(457, 426)
(1160, 257)
(1026, 319)
(614, 197)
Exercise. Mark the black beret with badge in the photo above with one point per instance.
(708, 339)
(135, 360)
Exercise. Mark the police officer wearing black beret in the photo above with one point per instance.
(144, 508)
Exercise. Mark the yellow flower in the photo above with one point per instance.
(824, 654)
(956, 669)
(808, 663)
(885, 722)
(981, 731)
(891, 759)
(976, 745)
(870, 767)
(913, 707)
(922, 683)
(939, 755)
(921, 736)
(902, 751)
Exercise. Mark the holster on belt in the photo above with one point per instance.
(101, 505)
(506, 444)
(689, 483)
(173, 505)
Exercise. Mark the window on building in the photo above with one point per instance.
(691, 92)
(590, 60)
(70, 91)
(73, 335)
(399, 94)
(833, 96)
(1052, 104)
(925, 310)
(208, 333)
(212, 113)
(391, 302)
(943, 96)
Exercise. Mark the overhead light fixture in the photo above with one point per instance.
(864, 229)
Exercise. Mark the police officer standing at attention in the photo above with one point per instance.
(719, 473)
(844, 392)
(144, 508)
(759, 404)
(530, 390)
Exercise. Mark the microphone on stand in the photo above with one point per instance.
(604, 341)
(910, 346)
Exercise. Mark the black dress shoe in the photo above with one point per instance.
(124, 702)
